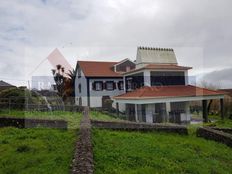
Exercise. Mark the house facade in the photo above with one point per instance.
(155, 87)
(157, 90)
(97, 82)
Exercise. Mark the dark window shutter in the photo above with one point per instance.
(114, 85)
(103, 85)
(94, 86)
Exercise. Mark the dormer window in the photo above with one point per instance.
(128, 68)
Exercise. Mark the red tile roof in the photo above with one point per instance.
(227, 91)
(161, 67)
(98, 69)
(168, 91)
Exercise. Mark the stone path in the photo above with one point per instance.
(83, 158)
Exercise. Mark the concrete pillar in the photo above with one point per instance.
(168, 109)
(187, 111)
(117, 109)
(136, 113)
(205, 113)
(147, 78)
(222, 108)
(124, 83)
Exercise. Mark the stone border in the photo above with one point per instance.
(131, 126)
(32, 123)
(83, 157)
(227, 130)
(216, 135)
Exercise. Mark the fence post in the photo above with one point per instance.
(9, 104)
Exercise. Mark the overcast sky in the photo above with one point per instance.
(200, 31)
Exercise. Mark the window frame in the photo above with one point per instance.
(95, 84)
(109, 82)
(120, 85)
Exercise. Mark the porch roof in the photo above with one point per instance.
(160, 94)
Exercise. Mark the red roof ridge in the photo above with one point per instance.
(168, 91)
(93, 61)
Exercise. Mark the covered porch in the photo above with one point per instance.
(174, 109)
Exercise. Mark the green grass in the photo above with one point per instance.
(38, 150)
(73, 118)
(102, 117)
(226, 123)
(118, 152)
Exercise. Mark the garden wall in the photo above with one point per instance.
(215, 135)
(131, 126)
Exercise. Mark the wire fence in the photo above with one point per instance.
(45, 105)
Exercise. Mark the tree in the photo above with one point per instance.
(65, 83)
(207, 85)
(59, 79)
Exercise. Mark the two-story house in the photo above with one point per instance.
(157, 90)
(154, 88)
(96, 82)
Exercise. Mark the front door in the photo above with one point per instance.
(106, 102)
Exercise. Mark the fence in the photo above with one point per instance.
(45, 104)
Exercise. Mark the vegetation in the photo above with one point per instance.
(226, 123)
(73, 118)
(102, 117)
(118, 152)
(16, 98)
(36, 150)
(65, 83)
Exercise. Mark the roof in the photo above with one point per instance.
(155, 55)
(3, 83)
(161, 67)
(167, 92)
(98, 69)
(122, 61)
(227, 91)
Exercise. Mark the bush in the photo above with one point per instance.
(16, 98)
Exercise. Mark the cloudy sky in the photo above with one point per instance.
(200, 31)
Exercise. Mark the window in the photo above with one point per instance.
(79, 73)
(97, 86)
(120, 85)
(109, 85)
(79, 87)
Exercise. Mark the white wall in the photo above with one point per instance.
(83, 94)
(96, 96)
(150, 111)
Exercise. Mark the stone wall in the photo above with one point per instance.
(216, 135)
(227, 130)
(131, 126)
(32, 123)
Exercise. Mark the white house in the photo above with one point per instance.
(154, 89)
(96, 82)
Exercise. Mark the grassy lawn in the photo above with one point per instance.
(102, 117)
(36, 150)
(118, 152)
(73, 118)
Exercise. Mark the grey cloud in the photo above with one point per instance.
(199, 30)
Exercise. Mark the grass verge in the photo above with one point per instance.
(36, 150)
(117, 152)
(73, 118)
(102, 117)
